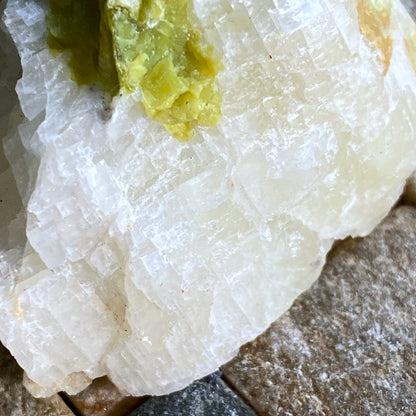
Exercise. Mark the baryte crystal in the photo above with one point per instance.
(152, 260)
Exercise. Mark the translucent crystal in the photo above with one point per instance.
(152, 260)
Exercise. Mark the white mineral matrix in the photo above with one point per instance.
(150, 259)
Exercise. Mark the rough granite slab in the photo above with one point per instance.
(207, 397)
(15, 400)
(347, 346)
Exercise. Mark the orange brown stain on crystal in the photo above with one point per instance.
(375, 25)
(410, 44)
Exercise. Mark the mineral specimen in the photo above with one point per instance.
(152, 260)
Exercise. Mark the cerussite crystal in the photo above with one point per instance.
(152, 260)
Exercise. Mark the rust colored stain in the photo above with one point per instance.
(411, 49)
(375, 25)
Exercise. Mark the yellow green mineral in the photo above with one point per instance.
(149, 45)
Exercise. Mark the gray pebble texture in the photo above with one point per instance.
(207, 397)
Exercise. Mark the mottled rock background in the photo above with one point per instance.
(209, 396)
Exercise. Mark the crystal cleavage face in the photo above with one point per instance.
(152, 260)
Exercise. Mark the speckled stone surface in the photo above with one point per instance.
(207, 397)
(348, 345)
(102, 398)
(14, 398)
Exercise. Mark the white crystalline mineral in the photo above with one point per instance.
(152, 260)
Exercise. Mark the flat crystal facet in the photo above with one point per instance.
(151, 260)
